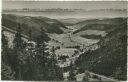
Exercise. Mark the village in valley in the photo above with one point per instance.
(49, 45)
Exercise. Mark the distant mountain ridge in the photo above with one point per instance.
(60, 9)
(62, 14)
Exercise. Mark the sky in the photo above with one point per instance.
(87, 5)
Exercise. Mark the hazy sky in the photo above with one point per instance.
(64, 4)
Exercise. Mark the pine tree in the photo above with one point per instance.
(86, 76)
(42, 56)
(30, 60)
(4, 41)
(18, 42)
(30, 34)
(55, 72)
(6, 71)
(4, 48)
(18, 53)
(71, 73)
(41, 48)
(53, 57)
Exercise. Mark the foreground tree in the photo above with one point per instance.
(19, 53)
(86, 76)
(55, 72)
(71, 73)
(6, 70)
(41, 57)
(4, 48)
(26, 62)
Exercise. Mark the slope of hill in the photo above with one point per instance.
(111, 58)
(95, 23)
(33, 23)
(97, 28)
(71, 21)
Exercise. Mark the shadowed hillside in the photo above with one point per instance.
(111, 58)
(33, 23)
(97, 24)
(96, 28)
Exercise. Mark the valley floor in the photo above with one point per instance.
(70, 40)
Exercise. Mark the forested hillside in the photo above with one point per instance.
(111, 58)
(97, 24)
(26, 61)
(33, 23)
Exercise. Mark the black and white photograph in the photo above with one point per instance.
(64, 41)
